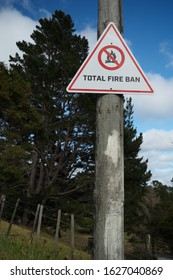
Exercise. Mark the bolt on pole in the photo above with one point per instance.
(109, 183)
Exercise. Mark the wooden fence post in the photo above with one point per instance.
(35, 221)
(57, 232)
(148, 246)
(39, 223)
(72, 236)
(2, 202)
(12, 218)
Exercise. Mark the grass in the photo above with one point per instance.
(17, 246)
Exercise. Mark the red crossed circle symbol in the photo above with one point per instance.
(112, 58)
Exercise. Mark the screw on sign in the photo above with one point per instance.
(111, 55)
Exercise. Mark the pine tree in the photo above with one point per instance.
(161, 224)
(61, 159)
(135, 168)
(17, 121)
(155, 213)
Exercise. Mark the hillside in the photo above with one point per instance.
(18, 246)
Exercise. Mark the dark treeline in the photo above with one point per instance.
(47, 137)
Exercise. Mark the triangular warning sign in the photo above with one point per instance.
(110, 68)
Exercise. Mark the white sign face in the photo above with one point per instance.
(110, 68)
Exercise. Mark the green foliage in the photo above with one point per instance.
(155, 216)
(164, 215)
(136, 175)
(47, 134)
(16, 118)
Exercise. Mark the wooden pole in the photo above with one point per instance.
(109, 185)
(109, 11)
(57, 231)
(12, 218)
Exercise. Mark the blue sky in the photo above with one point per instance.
(148, 32)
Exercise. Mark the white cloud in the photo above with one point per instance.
(165, 49)
(91, 35)
(160, 165)
(160, 104)
(44, 13)
(157, 147)
(10, 4)
(160, 140)
(13, 27)
(26, 4)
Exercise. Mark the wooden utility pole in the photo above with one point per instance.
(109, 187)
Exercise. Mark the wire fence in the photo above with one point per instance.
(41, 222)
(37, 225)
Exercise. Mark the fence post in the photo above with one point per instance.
(2, 202)
(35, 221)
(57, 231)
(39, 223)
(12, 218)
(148, 246)
(72, 236)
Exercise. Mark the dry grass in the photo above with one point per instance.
(17, 245)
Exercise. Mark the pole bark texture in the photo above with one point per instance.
(109, 185)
